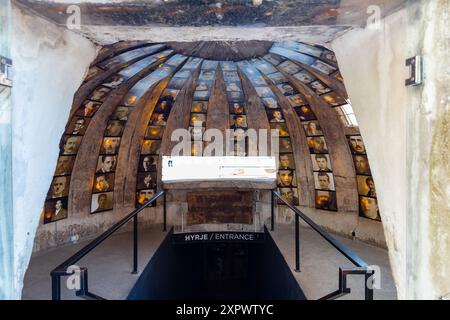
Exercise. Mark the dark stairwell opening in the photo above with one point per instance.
(209, 271)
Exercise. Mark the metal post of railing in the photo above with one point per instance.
(297, 243)
(369, 285)
(165, 213)
(56, 287)
(135, 245)
(272, 212)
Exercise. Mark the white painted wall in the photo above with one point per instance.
(49, 64)
(401, 127)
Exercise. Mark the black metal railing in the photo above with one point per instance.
(66, 268)
(360, 266)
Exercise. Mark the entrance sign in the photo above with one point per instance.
(253, 169)
(196, 237)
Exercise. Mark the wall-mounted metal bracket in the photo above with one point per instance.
(5, 72)
(414, 65)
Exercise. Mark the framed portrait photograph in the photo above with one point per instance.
(290, 67)
(210, 64)
(326, 200)
(285, 145)
(158, 119)
(151, 147)
(182, 74)
(277, 78)
(233, 86)
(64, 165)
(114, 128)
(177, 83)
(110, 145)
(237, 108)
(265, 67)
(319, 87)
(317, 145)
(55, 209)
(321, 162)
(361, 164)
(196, 133)
(202, 95)
(164, 105)
(121, 113)
(270, 103)
(114, 81)
(305, 113)
(145, 195)
(230, 76)
(235, 96)
(286, 161)
(356, 144)
(148, 163)
(312, 128)
(146, 180)
(290, 195)
(103, 182)
(274, 59)
(296, 100)
(275, 115)
(328, 55)
(368, 208)
(131, 99)
(286, 89)
(207, 75)
(88, 108)
(265, 92)
(258, 81)
(154, 132)
(324, 181)
(59, 187)
(366, 186)
(238, 121)
(228, 65)
(333, 99)
(204, 85)
(304, 76)
(200, 118)
(281, 127)
(323, 67)
(106, 163)
(99, 94)
(102, 202)
(286, 178)
(70, 145)
(78, 126)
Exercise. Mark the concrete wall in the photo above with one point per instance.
(49, 64)
(404, 130)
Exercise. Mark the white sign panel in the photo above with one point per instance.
(256, 169)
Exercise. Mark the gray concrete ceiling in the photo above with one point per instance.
(155, 20)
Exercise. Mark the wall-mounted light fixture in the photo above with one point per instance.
(414, 65)
(5, 72)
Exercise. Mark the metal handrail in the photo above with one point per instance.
(361, 267)
(61, 270)
(349, 254)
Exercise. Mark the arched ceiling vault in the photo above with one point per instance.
(136, 94)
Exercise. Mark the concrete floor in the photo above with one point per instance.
(320, 262)
(110, 265)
